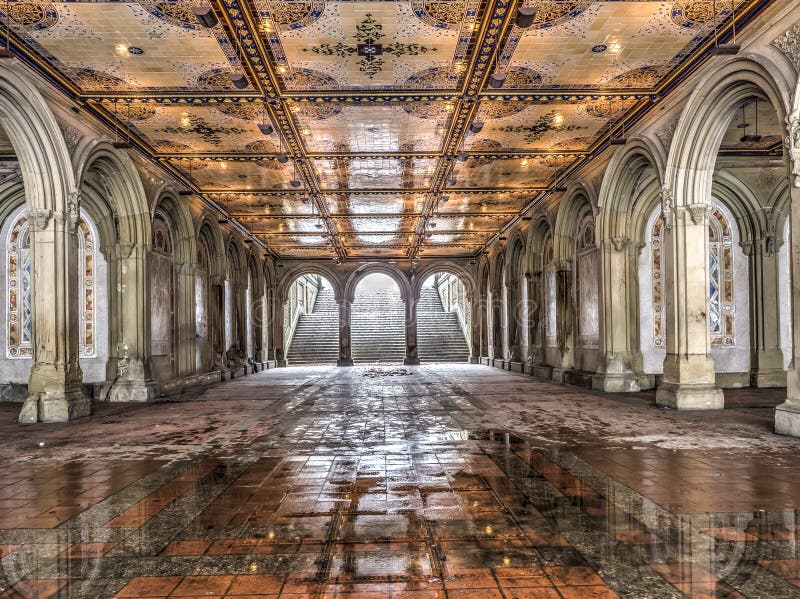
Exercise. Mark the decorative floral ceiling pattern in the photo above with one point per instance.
(338, 128)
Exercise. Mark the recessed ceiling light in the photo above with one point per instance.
(265, 128)
(476, 126)
(282, 158)
(239, 80)
(205, 15)
(295, 183)
(525, 16)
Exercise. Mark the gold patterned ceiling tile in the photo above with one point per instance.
(233, 175)
(367, 203)
(378, 173)
(483, 173)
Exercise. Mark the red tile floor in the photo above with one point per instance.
(436, 481)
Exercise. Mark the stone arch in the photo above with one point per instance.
(292, 274)
(390, 270)
(706, 117)
(453, 268)
(575, 203)
(208, 229)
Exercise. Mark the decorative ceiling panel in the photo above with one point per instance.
(619, 44)
(374, 203)
(261, 226)
(432, 250)
(452, 222)
(375, 173)
(127, 46)
(526, 127)
(248, 204)
(378, 251)
(192, 128)
(299, 240)
(449, 237)
(483, 172)
(504, 202)
(235, 175)
(375, 225)
(373, 128)
(324, 44)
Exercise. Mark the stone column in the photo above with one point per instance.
(475, 328)
(278, 341)
(496, 341)
(565, 315)
(766, 356)
(345, 348)
(787, 415)
(412, 352)
(55, 392)
(130, 341)
(261, 316)
(535, 341)
(617, 368)
(185, 319)
(514, 309)
(217, 312)
(689, 376)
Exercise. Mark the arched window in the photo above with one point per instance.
(19, 276)
(720, 280)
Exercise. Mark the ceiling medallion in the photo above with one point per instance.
(599, 48)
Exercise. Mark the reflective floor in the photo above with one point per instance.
(390, 481)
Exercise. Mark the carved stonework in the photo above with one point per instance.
(40, 218)
(747, 247)
(72, 136)
(72, 216)
(666, 132)
(620, 243)
(793, 143)
(789, 44)
(699, 212)
(667, 204)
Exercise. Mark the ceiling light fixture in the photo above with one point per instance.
(120, 144)
(749, 138)
(620, 140)
(525, 16)
(238, 80)
(266, 128)
(497, 80)
(205, 15)
(476, 127)
(445, 199)
(724, 49)
(451, 181)
(462, 157)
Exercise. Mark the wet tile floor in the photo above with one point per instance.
(399, 482)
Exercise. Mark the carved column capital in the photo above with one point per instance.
(667, 206)
(39, 218)
(620, 243)
(73, 212)
(699, 212)
(747, 247)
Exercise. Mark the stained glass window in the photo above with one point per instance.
(720, 280)
(19, 317)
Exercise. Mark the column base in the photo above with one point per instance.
(618, 382)
(411, 361)
(787, 419)
(485, 361)
(499, 363)
(772, 377)
(690, 397)
(281, 363)
(516, 366)
(474, 360)
(346, 362)
(51, 407)
(130, 391)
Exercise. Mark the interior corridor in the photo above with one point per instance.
(401, 481)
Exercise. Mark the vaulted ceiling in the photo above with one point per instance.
(372, 103)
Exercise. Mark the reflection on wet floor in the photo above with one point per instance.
(347, 485)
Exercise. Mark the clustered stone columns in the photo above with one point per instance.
(564, 318)
(620, 359)
(278, 340)
(515, 318)
(54, 389)
(534, 282)
(787, 415)
(766, 356)
(412, 352)
(345, 347)
(475, 328)
(689, 375)
(130, 340)
(496, 342)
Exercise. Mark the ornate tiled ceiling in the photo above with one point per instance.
(370, 104)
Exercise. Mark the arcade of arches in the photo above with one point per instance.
(245, 206)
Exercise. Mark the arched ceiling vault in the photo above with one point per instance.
(376, 104)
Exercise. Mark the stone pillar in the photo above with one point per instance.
(185, 319)
(481, 313)
(345, 348)
(278, 341)
(412, 352)
(261, 316)
(787, 415)
(217, 312)
(55, 392)
(130, 339)
(766, 356)
(689, 376)
(565, 315)
(496, 341)
(475, 328)
(514, 311)
(535, 341)
(619, 318)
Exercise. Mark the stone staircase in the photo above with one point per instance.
(439, 334)
(316, 338)
(378, 326)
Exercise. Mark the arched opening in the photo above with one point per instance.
(311, 321)
(204, 335)
(378, 323)
(17, 307)
(444, 319)
(162, 299)
(586, 286)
